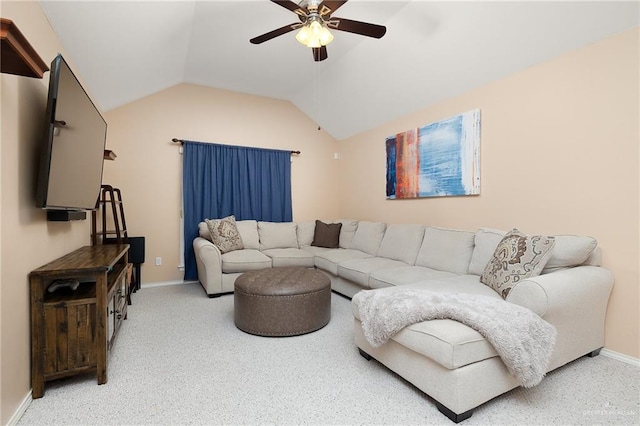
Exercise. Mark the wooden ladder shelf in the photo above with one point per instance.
(111, 199)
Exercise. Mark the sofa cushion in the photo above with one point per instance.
(305, 232)
(359, 270)
(368, 237)
(224, 234)
(349, 227)
(203, 231)
(347, 231)
(316, 250)
(329, 259)
(244, 260)
(405, 275)
(290, 257)
(402, 242)
(446, 250)
(447, 342)
(569, 251)
(248, 230)
(277, 235)
(467, 284)
(326, 234)
(485, 242)
(516, 258)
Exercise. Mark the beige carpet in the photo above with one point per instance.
(180, 360)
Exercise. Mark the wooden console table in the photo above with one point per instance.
(72, 330)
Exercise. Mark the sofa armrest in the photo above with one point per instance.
(545, 293)
(209, 263)
(575, 301)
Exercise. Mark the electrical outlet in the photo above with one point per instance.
(158, 261)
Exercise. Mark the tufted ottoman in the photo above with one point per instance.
(282, 301)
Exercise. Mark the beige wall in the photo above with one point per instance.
(148, 167)
(28, 240)
(559, 154)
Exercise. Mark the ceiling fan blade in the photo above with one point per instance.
(294, 7)
(357, 27)
(320, 53)
(275, 33)
(327, 7)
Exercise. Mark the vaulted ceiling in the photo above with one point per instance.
(433, 50)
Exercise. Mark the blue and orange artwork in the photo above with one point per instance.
(436, 160)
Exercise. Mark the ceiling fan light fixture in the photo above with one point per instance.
(314, 34)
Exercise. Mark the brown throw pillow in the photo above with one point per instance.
(224, 234)
(517, 257)
(326, 235)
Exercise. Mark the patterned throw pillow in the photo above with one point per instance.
(516, 258)
(224, 234)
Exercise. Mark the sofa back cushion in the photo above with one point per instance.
(348, 230)
(486, 240)
(305, 231)
(277, 235)
(203, 231)
(446, 250)
(402, 242)
(368, 237)
(569, 251)
(248, 230)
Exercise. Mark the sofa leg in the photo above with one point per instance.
(364, 354)
(213, 296)
(456, 418)
(594, 353)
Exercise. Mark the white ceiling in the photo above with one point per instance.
(433, 50)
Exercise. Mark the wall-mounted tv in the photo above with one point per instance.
(72, 155)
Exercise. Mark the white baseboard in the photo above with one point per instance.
(166, 283)
(620, 357)
(21, 409)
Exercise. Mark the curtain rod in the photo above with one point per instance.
(181, 142)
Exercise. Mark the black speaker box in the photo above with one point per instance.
(65, 215)
(136, 250)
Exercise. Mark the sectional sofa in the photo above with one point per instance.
(449, 361)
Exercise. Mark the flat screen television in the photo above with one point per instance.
(71, 160)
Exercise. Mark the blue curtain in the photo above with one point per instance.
(222, 180)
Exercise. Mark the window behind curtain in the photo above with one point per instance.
(222, 180)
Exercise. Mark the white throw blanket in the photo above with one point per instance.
(523, 340)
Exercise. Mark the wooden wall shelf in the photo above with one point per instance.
(109, 155)
(17, 55)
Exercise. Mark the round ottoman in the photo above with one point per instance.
(282, 301)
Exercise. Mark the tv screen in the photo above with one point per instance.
(72, 154)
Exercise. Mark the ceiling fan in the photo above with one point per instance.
(315, 21)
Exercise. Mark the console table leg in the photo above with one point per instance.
(37, 338)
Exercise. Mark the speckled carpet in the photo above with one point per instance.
(179, 359)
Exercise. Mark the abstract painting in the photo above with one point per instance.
(440, 159)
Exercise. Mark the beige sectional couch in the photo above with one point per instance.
(452, 363)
